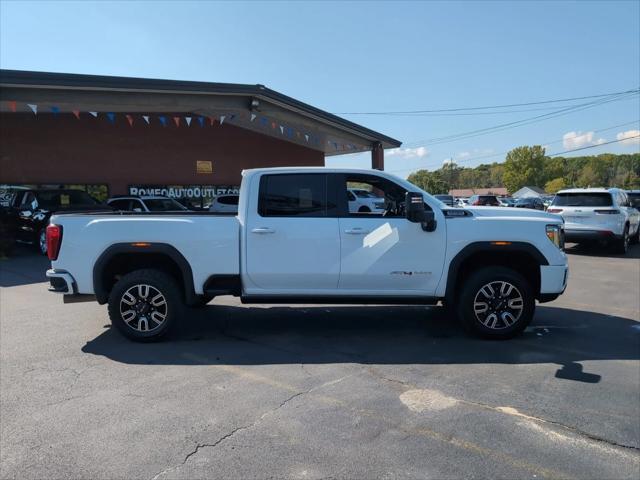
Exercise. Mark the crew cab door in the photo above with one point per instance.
(292, 241)
(385, 254)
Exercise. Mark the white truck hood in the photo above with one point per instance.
(515, 213)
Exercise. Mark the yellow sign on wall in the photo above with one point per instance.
(204, 166)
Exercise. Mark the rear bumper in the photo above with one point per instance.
(61, 281)
(584, 235)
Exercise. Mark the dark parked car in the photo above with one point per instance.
(634, 198)
(534, 203)
(27, 211)
(484, 200)
(446, 199)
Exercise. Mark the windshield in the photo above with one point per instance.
(64, 198)
(162, 205)
(364, 194)
(583, 199)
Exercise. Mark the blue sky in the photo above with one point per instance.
(368, 56)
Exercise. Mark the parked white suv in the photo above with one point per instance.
(225, 204)
(597, 214)
(364, 201)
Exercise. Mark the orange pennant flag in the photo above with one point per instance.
(211, 121)
(76, 113)
(12, 105)
(176, 121)
(130, 120)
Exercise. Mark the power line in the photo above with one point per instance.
(460, 109)
(488, 107)
(470, 159)
(592, 146)
(518, 123)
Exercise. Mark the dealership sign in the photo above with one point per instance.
(184, 191)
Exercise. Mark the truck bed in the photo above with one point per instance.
(195, 235)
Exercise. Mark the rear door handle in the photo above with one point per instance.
(263, 230)
(356, 231)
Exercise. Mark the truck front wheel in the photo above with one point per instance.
(144, 305)
(496, 303)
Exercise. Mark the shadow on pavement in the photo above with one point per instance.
(25, 266)
(596, 250)
(375, 335)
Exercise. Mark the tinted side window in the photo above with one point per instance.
(293, 195)
(229, 200)
(120, 204)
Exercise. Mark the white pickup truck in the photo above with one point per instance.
(294, 240)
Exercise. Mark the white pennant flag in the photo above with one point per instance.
(146, 118)
(222, 117)
(306, 137)
(33, 107)
(281, 129)
(253, 117)
(95, 114)
(188, 120)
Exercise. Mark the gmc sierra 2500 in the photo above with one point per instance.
(294, 240)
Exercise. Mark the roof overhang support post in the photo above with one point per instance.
(377, 156)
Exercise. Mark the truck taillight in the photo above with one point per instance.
(54, 240)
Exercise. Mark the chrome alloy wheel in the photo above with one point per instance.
(143, 308)
(498, 305)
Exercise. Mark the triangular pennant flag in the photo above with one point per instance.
(253, 117)
(281, 129)
(264, 121)
(222, 117)
(176, 120)
(76, 113)
(306, 137)
(335, 144)
(231, 117)
(163, 120)
(111, 116)
(211, 119)
(273, 125)
(33, 107)
(12, 105)
(146, 118)
(298, 134)
(201, 121)
(95, 114)
(55, 110)
(129, 119)
(188, 120)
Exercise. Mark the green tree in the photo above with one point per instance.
(431, 182)
(523, 166)
(552, 186)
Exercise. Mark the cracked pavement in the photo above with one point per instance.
(323, 392)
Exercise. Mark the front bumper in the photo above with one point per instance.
(553, 281)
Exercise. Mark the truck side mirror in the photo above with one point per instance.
(416, 213)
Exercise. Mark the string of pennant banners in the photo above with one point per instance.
(201, 120)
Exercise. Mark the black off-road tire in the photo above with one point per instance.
(128, 287)
(635, 239)
(364, 210)
(479, 324)
(621, 246)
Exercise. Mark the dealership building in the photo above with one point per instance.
(117, 135)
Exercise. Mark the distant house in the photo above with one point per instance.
(467, 192)
(529, 192)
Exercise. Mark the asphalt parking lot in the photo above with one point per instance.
(323, 392)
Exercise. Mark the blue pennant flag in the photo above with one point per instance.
(201, 121)
(111, 116)
(55, 110)
(163, 120)
(264, 121)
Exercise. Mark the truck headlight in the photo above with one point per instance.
(555, 234)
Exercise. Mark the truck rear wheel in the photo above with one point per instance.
(144, 305)
(496, 303)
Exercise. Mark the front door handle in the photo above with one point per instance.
(356, 231)
(263, 230)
